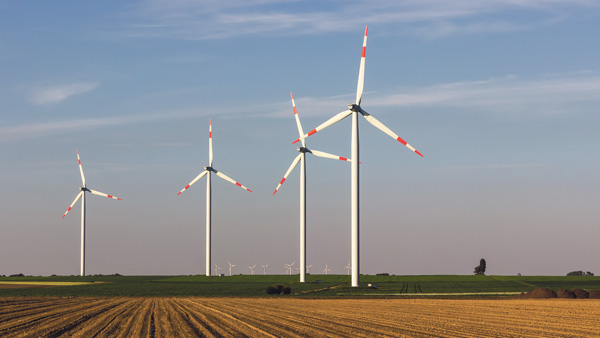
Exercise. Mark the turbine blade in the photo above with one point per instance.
(326, 124)
(80, 168)
(328, 155)
(361, 71)
(300, 131)
(387, 130)
(72, 204)
(103, 194)
(210, 151)
(226, 178)
(193, 181)
(294, 164)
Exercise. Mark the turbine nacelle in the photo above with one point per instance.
(303, 150)
(354, 107)
(208, 168)
(84, 189)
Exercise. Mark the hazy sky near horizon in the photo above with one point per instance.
(500, 96)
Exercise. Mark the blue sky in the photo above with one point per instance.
(500, 96)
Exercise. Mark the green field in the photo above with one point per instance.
(316, 285)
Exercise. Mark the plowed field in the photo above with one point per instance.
(280, 317)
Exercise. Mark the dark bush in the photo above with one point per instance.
(287, 290)
(274, 289)
(580, 273)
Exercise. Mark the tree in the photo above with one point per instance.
(480, 269)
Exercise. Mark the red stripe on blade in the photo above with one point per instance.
(364, 51)
(401, 140)
(416, 151)
(343, 159)
(312, 132)
(239, 185)
(296, 141)
(282, 180)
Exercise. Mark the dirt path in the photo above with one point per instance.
(289, 317)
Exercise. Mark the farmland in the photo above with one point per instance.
(295, 317)
(254, 286)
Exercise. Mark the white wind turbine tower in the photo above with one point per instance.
(207, 171)
(326, 269)
(354, 109)
(301, 158)
(252, 269)
(265, 269)
(230, 266)
(82, 196)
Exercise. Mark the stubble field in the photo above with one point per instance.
(293, 317)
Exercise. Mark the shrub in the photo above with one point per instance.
(274, 289)
(287, 290)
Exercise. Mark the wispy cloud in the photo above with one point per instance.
(25, 131)
(55, 94)
(198, 20)
(557, 93)
(554, 93)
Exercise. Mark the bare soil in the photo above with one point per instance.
(281, 317)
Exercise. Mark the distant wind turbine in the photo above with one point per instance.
(81, 195)
(326, 269)
(252, 269)
(302, 159)
(308, 269)
(354, 109)
(217, 268)
(207, 171)
(265, 269)
(348, 268)
(230, 266)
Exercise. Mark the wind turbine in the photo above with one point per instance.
(252, 269)
(326, 269)
(287, 269)
(265, 269)
(207, 171)
(217, 268)
(301, 158)
(354, 109)
(348, 268)
(230, 266)
(308, 269)
(82, 196)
